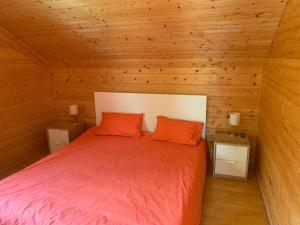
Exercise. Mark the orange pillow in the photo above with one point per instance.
(122, 124)
(177, 131)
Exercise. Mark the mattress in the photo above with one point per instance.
(109, 180)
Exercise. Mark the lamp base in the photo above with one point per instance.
(234, 134)
(74, 118)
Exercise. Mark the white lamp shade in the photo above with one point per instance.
(73, 109)
(234, 119)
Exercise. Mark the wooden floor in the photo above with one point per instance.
(229, 202)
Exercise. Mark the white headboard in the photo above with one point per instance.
(186, 107)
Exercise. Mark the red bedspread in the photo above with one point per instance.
(111, 181)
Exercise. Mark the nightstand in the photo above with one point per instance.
(231, 156)
(62, 133)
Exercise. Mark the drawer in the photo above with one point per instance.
(230, 168)
(54, 146)
(58, 135)
(57, 139)
(232, 152)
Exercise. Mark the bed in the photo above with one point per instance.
(109, 180)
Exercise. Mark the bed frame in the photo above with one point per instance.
(186, 107)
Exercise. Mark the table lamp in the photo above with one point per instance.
(234, 120)
(73, 111)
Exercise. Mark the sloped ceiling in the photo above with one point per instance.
(153, 29)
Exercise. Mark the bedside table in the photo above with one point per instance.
(62, 133)
(231, 156)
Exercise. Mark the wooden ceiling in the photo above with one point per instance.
(153, 29)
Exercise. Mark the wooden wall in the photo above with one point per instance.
(26, 105)
(279, 136)
(214, 48)
(210, 47)
(232, 85)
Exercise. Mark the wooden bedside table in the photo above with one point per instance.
(62, 133)
(231, 156)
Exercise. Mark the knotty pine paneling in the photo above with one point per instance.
(131, 29)
(279, 153)
(210, 47)
(231, 85)
(214, 48)
(26, 107)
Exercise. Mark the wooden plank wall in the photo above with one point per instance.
(279, 137)
(214, 48)
(231, 84)
(26, 106)
(210, 47)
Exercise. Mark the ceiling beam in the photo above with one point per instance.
(21, 47)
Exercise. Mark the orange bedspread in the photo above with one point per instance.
(111, 181)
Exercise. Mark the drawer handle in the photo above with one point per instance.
(231, 162)
(58, 142)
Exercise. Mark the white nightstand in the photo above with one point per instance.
(231, 156)
(62, 133)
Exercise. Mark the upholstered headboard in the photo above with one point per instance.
(187, 107)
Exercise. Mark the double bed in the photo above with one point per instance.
(111, 180)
